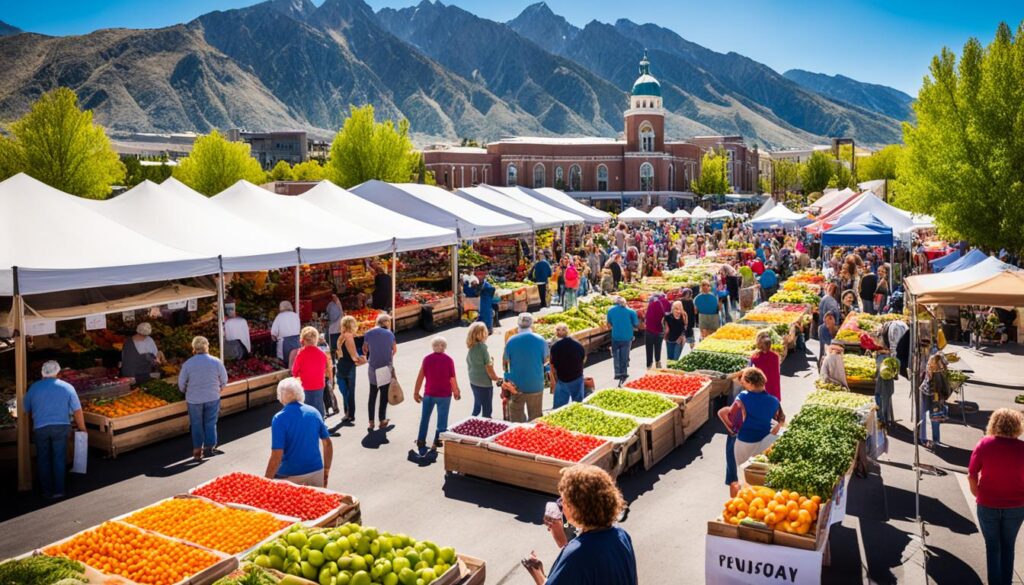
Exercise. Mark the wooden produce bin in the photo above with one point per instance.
(532, 296)
(662, 436)
(263, 389)
(696, 412)
(234, 397)
(534, 472)
(117, 435)
(444, 310)
(407, 317)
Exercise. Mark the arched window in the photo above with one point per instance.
(602, 178)
(646, 177)
(512, 176)
(575, 178)
(473, 172)
(646, 137)
(671, 177)
(538, 176)
(559, 178)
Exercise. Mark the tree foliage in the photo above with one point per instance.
(282, 171)
(964, 156)
(365, 149)
(714, 176)
(58, 144)
(880, 165)
(842, 178)
(310, 170)
(136, 172)
(817, 171)
(215, 164)
(787, 175)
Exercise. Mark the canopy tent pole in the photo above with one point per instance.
(915, 361)
(220, 306)
(394, 279)
(564, 250)
(455, 279)
(21, 388)
(298, 273)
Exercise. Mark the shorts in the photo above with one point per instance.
(709, 322)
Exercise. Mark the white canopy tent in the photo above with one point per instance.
(408, 233)
(830, 198)
(720, 214)
(633, 214)
(765, 208)
(188, 221)
(57, 244)
(522, 195)
(889, 215)
(559, 199)
(779, 216)
(500, 203)
(319, 237)
(699, 213)
(659, 213)
(438, 207)
(681, 214)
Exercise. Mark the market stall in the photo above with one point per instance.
(559, 199)
(632, 215)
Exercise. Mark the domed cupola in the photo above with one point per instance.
(646, 93)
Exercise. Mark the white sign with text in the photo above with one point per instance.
(93, 322)
(40, 326)
(731, 561)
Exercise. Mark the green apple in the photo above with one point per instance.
(309, 571)
(344, 562)
(448, 554)
(262, 561)
(318, 542)
(294, 554)
(407, 576)
(316, 558)
(297, 539)
(370, 532)
(358, 563)
(325, 576)
(332, 551)
(400, 563)
(427, 555)
(360, 578)
(277, 562)
(343, 578)
(390, 579)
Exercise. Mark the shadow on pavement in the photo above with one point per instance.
(525, 505)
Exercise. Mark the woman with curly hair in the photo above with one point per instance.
(996, 477)
(600, 553)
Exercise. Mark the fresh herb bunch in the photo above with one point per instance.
(705, 360)
(803, 477)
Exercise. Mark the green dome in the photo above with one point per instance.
(646, 84)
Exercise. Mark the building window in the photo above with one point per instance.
(646, 177)
(646, 137)
(538, 176)
(575, 178)
(512, 176)
(559, 178)
(671, 177)
(473, 173)
(602, 178)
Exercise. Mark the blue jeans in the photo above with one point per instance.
(999, 527)
(568, 391)
(202, 418)
(620, 358)
(442, 404)
(315, 398)
(51, 457)
(483, 397)
(568, 298)
(673, 350)
(731, 471)
(926, 405)
(347, 387)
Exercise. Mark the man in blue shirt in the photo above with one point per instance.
(541, 273)
(296, 433)
(51, 402)
(769, 282)
(525, 355)
(624, 322)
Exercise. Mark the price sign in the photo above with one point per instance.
(95, 322)
(128, 316)
(40, 327)
(193, 305)
(731, 561)
(177, 305)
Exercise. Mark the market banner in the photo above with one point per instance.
(731, 561)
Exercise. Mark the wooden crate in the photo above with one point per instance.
(810, 541)
(473, 570)
(117, 435)
(522, 470)
(696, 412)
(662, 436)
(234, 403)
(235, 388)
(263, 389)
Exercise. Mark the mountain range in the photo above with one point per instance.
(289, 64)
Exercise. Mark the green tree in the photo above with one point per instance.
(764, 185)
(215, 164)
(787, 175)
(880, 165)
(842, 178)
(58, 144)
(964, 156)
(310, 170)
(714, 177)
(817, 171)
(365, 149)
(136, 172)
(282, 171)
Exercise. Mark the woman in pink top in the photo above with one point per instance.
(769, 363)
(438, 371)
(996, 477)
(310, 366)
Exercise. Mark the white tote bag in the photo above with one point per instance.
(81, 452)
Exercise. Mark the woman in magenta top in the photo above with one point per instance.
(310, 366)
(768, 362)
(654, 327)
(438, 372)
(996, 477)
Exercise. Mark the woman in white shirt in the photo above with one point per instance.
(140, 356)
(285, 331)
(237, 342)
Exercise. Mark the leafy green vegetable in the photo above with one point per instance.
(40, 569)
(590, 421)
(706, 360)
(642, 404)
(844, 399)
(163, 390)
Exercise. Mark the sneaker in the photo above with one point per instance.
(657, 364)
(438, 444)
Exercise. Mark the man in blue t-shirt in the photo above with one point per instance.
(624, 322)
(524, 359)
(541, 273)
(51, 403)
(296, 433)
(769, 282)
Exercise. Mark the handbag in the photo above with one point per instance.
(395, 394)
(81, 454)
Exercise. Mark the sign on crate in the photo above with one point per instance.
(731, 561)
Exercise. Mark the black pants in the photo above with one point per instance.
(652, 343)
(732, 283)
(382, 409)
(543, 290)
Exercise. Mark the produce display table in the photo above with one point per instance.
(525, 470)
(263, 389)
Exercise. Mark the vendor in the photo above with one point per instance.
(382, 296)
(139, 356)
(237, 343)
(487, 303)
(285, 330)
(470, 286)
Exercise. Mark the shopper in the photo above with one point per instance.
(867, 289)
(623, 322)
(335, 312)
(769, 282)
(758, 410)
(848, 303)
(567, 358)
(676, 323)
(311, 365)
(733, 420)
(285, 331)
(615, 265)
(933, 391)
(540, 273)
(601, 552)
(884, 389)
(524, 359)
(654, 327)
(383, 293)
(829, 304)
(379, 347)
(437, 379)
(481, 370)
(826, 333)
(297, 433)
(706, 304)
(348, 360)
(571, 278)
(996, 478)
(51, 404)
(237, 342)
(140, 356)
(486, 313)
(832, 369)
(691, 314)
(201, 379)
(769, 363)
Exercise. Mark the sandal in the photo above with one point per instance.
(384, 424)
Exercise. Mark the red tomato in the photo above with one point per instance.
(676, 384)
(550, 441)
(290, 500)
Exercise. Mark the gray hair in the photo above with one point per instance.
(50, 369)
(561, 330)
(144, 329)
(200, 344)
(229, 309)
(290, 390)
(438, 344)
(383, 320)
(620, 301)
(285, 306)
(525, 320)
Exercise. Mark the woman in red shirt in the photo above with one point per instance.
(310, 366)
(768, 362)
(996, 477)
(438, 371)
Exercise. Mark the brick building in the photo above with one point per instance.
(641, 168)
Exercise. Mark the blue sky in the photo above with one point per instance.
(880, 41)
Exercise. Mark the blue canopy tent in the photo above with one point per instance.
(968, 260)
(943, 261)
(863, 230)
